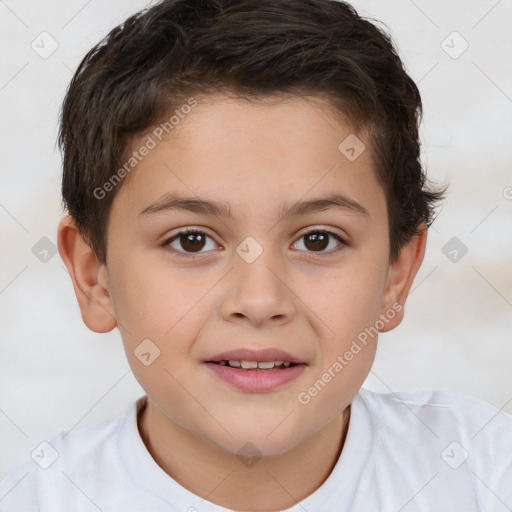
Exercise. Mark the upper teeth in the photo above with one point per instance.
(255, 364)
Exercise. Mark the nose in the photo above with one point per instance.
(258, 293)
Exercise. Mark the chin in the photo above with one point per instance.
(255, 441)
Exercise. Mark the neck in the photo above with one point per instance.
(272, 483)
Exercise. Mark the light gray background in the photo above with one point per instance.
(57, 375)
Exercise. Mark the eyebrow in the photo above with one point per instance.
(222, 209)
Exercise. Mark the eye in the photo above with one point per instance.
(319, 240)
(190, 242)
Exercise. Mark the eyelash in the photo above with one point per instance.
(201, 254)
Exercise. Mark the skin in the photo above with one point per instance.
(252, 155)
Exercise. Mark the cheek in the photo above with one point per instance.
(350, 307)
(168, 308)
(349, 299)
(351, 310)
(156, 300)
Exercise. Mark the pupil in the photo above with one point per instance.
(192, 242)
(319, 241)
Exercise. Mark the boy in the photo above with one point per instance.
(247, 205)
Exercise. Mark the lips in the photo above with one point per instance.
(255, 365)
(255, 380)
(259, 370)
(255, 355)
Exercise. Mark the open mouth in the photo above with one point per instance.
(256, 376)
(256, 365)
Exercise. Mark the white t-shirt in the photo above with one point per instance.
(405, 452)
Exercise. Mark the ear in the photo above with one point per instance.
(401, 274)
(89, 276)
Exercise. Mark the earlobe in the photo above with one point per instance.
(89, 277)
(401, 274)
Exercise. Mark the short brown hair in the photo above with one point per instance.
(147, 66)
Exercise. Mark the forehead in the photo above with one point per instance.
(254, 154)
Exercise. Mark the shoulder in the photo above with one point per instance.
(55, 465)
(463, 438)
(439, 409)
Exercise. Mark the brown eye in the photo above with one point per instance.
(316, 241)
(319, 241)
(189, 241)
(192, 242)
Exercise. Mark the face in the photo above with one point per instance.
(250, 276)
